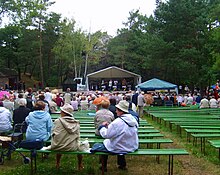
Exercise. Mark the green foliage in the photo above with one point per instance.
(174, 44)
(180, 43)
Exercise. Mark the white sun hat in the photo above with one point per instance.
(123, 105)
(67, 108)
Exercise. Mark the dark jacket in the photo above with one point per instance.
(19, 116)
(134, 98)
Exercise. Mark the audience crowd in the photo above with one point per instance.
(33, 108)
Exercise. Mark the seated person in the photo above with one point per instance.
(5, 119)
(213, 102)
(91, 105)
(204, 103)
(39, 123)
(21, 113)
(103, 114)
(189, 100)
(84, 103)
(121, 136)
(66, 134)
(74, 103)
(53, 106)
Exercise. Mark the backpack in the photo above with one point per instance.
(133, 113)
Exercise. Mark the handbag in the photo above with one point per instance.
(98, 147)
(84, 145)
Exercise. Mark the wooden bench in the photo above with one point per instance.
(197, 123)
(210, 126)
(215, 144)
(145, 135)
(203, 139)
(156, 141)
(210, 131)
(150, 152)
(93, 128)
(139, 131)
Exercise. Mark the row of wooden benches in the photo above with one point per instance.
(203, 127)
(147, 135)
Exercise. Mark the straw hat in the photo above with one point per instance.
(67, 108)
(123, 105)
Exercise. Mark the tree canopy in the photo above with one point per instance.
(179, 43)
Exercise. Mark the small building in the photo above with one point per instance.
(69, 83)
(8, 78)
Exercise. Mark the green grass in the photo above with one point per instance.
(211, 154)
(196, 163)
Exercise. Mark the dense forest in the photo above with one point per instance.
(179, 43)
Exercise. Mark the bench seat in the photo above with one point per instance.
(151, 152)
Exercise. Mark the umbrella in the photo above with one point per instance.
(3, 93)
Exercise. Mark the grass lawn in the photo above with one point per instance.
(194, 164)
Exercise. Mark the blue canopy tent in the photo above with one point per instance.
(156, 84)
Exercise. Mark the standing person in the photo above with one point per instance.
(66, 134)
(134, 98)
(39, 123)
(48, 95)
(67, 96)
(5, 119)
(112, 107)
(110, 85)
(21, 113)
(59, 100)
(121, 136)
(140, 103)
(103, 114)
(29, 101)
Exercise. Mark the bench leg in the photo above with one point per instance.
(219, 154)
(170, 165)
(203, 145)
(158, 157)
(170, 126)
(103, 172)
(32, 169)
(33, 159)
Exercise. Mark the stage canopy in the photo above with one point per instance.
(113, 72)
(156, 84)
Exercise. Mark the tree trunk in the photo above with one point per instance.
(40, 56)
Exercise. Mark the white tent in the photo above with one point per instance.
(113, 72)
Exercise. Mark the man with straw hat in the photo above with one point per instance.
(121, 135)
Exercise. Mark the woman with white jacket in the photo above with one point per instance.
(5, 120)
